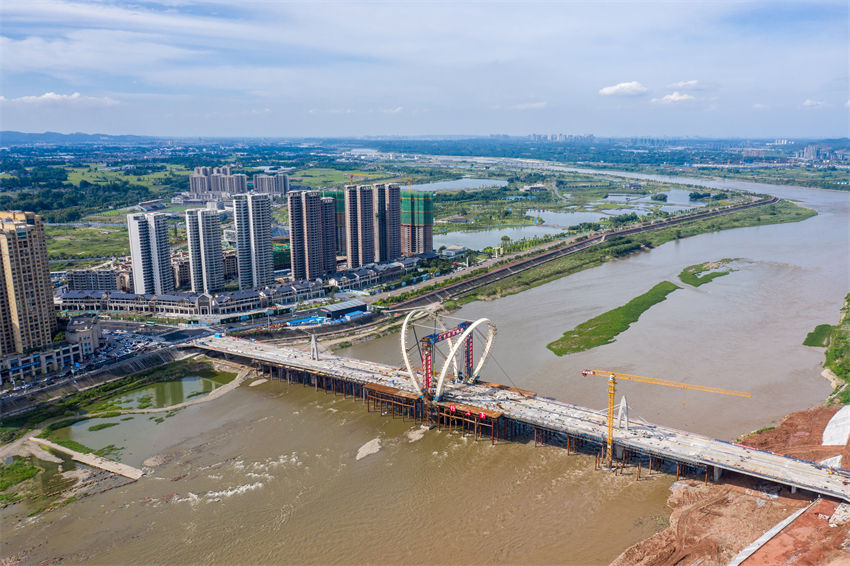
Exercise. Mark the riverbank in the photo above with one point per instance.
(59, 481)
(619, 246)
(101, 406)
(711, 523)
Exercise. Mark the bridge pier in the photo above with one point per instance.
(520, 425)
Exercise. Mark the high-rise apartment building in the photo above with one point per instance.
(27, 317)
(387, 207)
(252, 215)
(206, 259)
(339, 207)
(281, 183)
(271, 184)
(360, 225)
(417, 223)
(150, 253)
(312, 235)
(329, 233)
(297, 236)
(92, 279)
(216, 182)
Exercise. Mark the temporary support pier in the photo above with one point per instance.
(508, 413)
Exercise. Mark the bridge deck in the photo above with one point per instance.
(557, 416)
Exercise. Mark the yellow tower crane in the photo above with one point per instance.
(613, 376)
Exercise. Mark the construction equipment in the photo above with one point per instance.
(613, 376)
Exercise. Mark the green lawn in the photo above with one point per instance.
(603, 329)
(322, 177)
(96, 174)
(119, 215)
(68, 242)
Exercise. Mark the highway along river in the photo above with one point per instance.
(283, 474)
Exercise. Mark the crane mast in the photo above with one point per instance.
(613, 376)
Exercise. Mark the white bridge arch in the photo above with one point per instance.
(454, 345)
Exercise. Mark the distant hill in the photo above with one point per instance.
(9, 138)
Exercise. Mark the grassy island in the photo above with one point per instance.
(819, 337)
(604, 328)
(693, 275)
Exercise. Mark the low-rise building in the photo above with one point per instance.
(180, 265)
(369, 275)
(339, 310)
(19, 367)
(453, 251)
(192, 305)
(86, 331)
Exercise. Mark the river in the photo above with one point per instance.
(741, 331)
(270, 474)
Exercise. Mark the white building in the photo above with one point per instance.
(252, 215)
(150, 253)
(359, 225)
(271, 184)
(206, 260)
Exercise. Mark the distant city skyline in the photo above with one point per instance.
(166, 68)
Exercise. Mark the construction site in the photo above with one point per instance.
(440, 385)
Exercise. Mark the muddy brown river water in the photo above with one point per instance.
(279, 474)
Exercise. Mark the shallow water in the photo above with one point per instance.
(274, 477)
(480, 239)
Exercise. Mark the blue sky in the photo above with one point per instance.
(265, 68)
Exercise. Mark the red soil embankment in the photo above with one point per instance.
(711, 523)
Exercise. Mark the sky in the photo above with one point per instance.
(304, 69)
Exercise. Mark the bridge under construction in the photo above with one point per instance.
(497, 412)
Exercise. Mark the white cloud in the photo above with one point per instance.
(55, 98)
(847, 104)
(529, 106)
(331, 111)
(673, 98)
(632, 88)
(395, 110)
(760, 106)
(811, 103)
(687, 85)
(114, 52)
